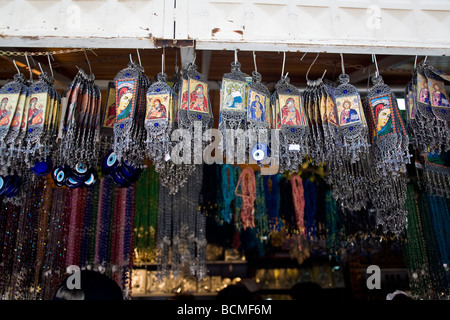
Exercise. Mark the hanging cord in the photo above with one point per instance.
(248, 187)
(299, 201)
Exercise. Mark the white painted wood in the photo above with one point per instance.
(413, 27)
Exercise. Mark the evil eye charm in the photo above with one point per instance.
(81, 169)
(92, 178)
(59, 175)
(259, 152)
(4, 183)
(14, 187)
(72, 183)
(42, 168)
(119, 180)
(110, 162)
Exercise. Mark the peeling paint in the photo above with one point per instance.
(239, 32)
(214, 31)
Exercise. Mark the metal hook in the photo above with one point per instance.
(50, 63)
(40, 67)
(254, 61)
(29, 67)
(301, 59)
(139, 57)
(284, 62)
(17, 68)
(87, 59)
(314, 61)
(415, 62)
(425, 60)
(315, 82)
(342, 64)
(162, 59)
(235, 56)
(374, 59)
(131, 58)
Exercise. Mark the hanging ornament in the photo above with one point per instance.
(79, 149)
(314, 99)
(131, 86)
(159, 119)
(233, 108)
(106, 133)
(291, 121)
(389, 138)
(352, 123)
(258, 118)
(42, 125)
(431, 108)
(14, 98)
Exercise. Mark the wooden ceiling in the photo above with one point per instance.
(106, 63)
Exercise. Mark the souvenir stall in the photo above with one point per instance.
(187, 160)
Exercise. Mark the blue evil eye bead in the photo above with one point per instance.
(443, 111)
(156, 124)
(92, 178)
(197, 77)
(127, 74)
(288, 90)
(14, 187)
(9, 89)
(260, 152)
(351, 128)
(292, 130)
(118, 179)
(428, 108)
(8, 186)
(345, 91)
(59, 175)
(199, 116)
(81, 168)
(109, 162)
(121, 126)
(71, 183)
(158, 90)
(42, 168)
(129, 167)
(4, 182)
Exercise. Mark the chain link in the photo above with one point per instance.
(41, 53)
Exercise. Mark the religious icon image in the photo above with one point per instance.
(124, 99)
(257, 106)
(422, 87)
(110, 112)
(198, 100)
(290, 111)
(383, 117)
(348, 108)
(17, 119)
(36, 111)
(5, 112)
(157, 106)
(184, 95)
(437, 93)
(233, 93)
(331, 112)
